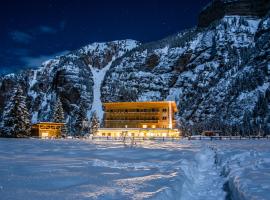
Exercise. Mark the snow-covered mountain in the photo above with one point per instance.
(218, 75)
(74, 77)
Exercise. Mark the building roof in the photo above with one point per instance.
(49, 123)
(141, 104)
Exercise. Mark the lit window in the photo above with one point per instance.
(153, 126)
(44, 134)
(144, 126)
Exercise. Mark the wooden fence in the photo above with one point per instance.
(228, 137)
(136, 138)
(186, 138)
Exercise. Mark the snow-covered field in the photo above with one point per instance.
(76, 169)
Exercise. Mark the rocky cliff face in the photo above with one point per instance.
(214, 75)
(217, 9)
(219, 76)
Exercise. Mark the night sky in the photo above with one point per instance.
(33, 31)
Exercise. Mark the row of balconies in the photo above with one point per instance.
(134, 120)
(136, 111)
(136, 114)
(135, 117)
(137, 120)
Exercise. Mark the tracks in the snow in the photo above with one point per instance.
(204, 179)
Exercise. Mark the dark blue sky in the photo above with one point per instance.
(35, 30)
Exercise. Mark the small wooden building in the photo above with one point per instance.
(47, 130)
(211, 133)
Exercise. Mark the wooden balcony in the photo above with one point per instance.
(133, 120)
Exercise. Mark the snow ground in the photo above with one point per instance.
(76, 169)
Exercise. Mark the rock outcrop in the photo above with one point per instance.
(217, 9)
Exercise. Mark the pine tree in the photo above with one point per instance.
(80, 127)
(94, 124)
(59, 116)
(247, 123)
(16, 122)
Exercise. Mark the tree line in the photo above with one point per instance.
(16, 118)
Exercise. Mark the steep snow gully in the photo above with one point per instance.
(98, 77)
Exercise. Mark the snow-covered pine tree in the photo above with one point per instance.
(94, 124)
(16, 122)
(80, 127)
(59, 116)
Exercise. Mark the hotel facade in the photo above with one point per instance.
(139, 119)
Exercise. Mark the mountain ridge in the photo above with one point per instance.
(218, 75)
